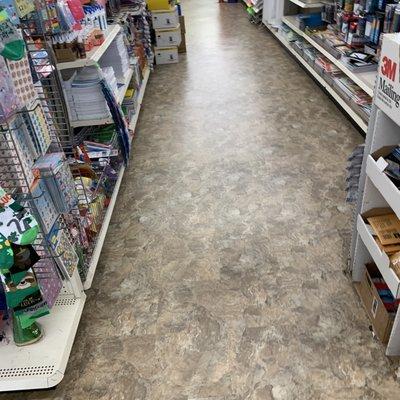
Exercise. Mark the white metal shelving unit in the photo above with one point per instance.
(376, 190)
(365, 80)
(42, 364)
(357, 119)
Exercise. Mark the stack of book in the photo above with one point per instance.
(117, 57)
(85, 97)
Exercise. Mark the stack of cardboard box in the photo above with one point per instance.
(169, 27)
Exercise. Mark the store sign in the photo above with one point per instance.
(388, 83)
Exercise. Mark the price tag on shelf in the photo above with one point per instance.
(381, 164)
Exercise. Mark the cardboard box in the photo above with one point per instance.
(182, 46)
(386, 227)
(165, 18)
(387, 90)
(159, 4)
(381, 320)
(182, 23)
(166, 55)
(66, 55)
(168, 37)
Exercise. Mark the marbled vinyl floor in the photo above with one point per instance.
(221, 277)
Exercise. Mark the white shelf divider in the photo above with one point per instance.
(384, 185)
(94, 55)
(356, 118)
(365, 80)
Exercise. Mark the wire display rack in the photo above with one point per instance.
(84, 224)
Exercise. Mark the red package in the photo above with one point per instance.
(76, 9)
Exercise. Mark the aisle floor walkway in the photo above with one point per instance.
(221, 277)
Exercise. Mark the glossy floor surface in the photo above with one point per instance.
(221, 277)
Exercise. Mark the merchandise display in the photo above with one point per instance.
(339, 35)
(375, 248)
(72, 89)
(204, 192)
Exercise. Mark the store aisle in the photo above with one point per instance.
(221, 277)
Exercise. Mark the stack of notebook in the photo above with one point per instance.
(84, 94)
(116, 56)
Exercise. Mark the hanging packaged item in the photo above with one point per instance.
(9, 102)
(12, 45)
(76, 9)
(50, 282)
(15, 146)
(38, 129)
(21, 76)
(9, 6)
(64, 251)
(46, 209)
(24, 7)
(54, 170)
(65, 17)
(45, 19)
(18, 225)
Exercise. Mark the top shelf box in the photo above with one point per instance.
(94, 55)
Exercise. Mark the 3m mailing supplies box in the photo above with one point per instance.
(388, 84)
(166, 55)
(165, 18)
(381, 318)
(168, 37)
